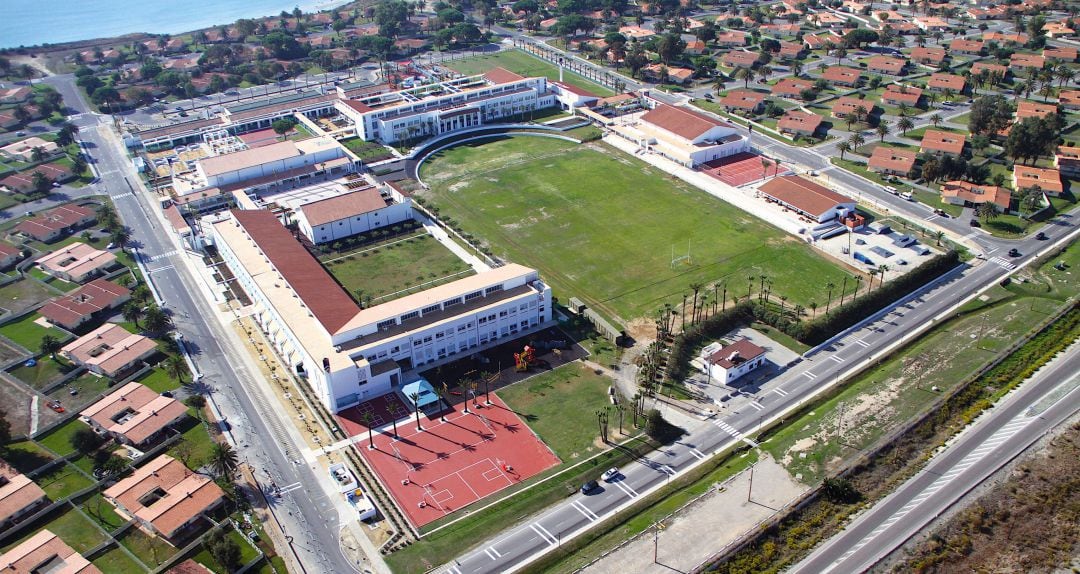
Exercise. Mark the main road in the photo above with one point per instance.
(899, 323)
(1048, 399)
(306, 515)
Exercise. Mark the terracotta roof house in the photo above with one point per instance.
(936, 141)
(791, 49)
(57, 222)
(91, 301)
(674, 74)
(970, 195)
(1026, 61)
(1049, 180)
(741, 59)
(799, 123)
(1057, 30)
(979, 13)
(9, 255)
(929, 56)
(846, 105)
(892, 161)
(45, 553)
(744, 100)
(827, 19)
(633, 32)
(731, 38)
(165, 496)
(1067, 160)
(76, 262)
(695, 48)
(1029, 109)
(1060, 53)
(895, 95)
(15, 95)
(842, 76)
(1069, 99)
(735, 360)
(791, 87)
(690, 137)
(109, 350)
(806, 197)
(133, 414)
(818, 41)
(978, 67)
(966, 47)
(19, 496)
(931, 23)
(939, 82)
(1006, 38)
(887, 65)
(23, 182)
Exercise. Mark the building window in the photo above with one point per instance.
(429, 309)
(493, 289)
(410, 315)
(452, 302)
(502, 313)
(386, 324)
(461, 328)
(472, 295)
(438, 336)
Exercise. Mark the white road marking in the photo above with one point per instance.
(551, 540)
(490, 555)
(588, 514)
(862, 343)
(697, 454)
(809, 375)
(1001, 261)
(626, 488)
(781, 392)
(757, 405)
(836, 358)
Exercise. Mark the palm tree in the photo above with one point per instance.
(986, 211)
(224, 460)
(718, 84)
(394, 409)
(905, 124)
(133, 311)
(745, 75)
(366, 418)
(176, 368)
(938, 236)
(813, 307)
(856, 140)
(50, 345)
(936, 119)
(881, 274)
(121, 236)
(1064, 74)
(873, 273)
(416, 405)
(106, 214)
(828, 300)
(155, 320)
(903, 109)
(843, 147)
(882, 129)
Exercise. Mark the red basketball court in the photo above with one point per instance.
(451, 464)
(739, 169)
(260, 138)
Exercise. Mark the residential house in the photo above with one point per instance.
(972, 195)
(931, 24)
(57, 223)
(1048, 180)
(1006, 38)
(133, 414)
(1067, 161)
(939, 82)
(19, 496)
(966, 47)
(1060, 53)
(848, 105)
(731, 38)
(1030, 109)
(894, 95)
(165, 497)
(741, 59)
(940, 142)
(15, 95)
(23, 182)
(827, 20)
(1019, 60)
(695, 48)
(887, 65)
(1057, 30)
(45, 553)
(744, 101)
(892, 161)
(110, 350)
(76, 262)
(9, 255)
(92, 301)
(725, 364)
(791, 87)
(842, 76)
(800, 123)
(929, 56)
(992, 69)
(1069, 99)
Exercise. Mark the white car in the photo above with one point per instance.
(610, 474)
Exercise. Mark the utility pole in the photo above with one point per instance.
(656, 541)
(751, 489)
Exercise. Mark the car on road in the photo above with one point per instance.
(20, 134)
(973, 222)
(941, 213)
(610, 474)
(589, 487)
(889, 189)
(1041, 236)
(1014, 252)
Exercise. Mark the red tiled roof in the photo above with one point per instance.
(803, 194)
(681, 121)
(892, 159)
(743, 99)
(978, 67)
(946, 81)
(97, 295)
(1025, 176)
(45, 552)
(976, 194)
(17, 492)
(887, 63)
(934, 55)
(796, 120)
(965, 46)
(326, 299)
(736, 354)
(343, 206)
(909, 95)
(357, 105)
(842, 74)
(848, 104)
(186, 494)
(791, 86)
(1029, 109)
(936, 140)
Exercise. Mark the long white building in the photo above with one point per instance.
(444, 107)
(349, 354)
(352, 212)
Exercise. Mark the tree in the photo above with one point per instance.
(744, 74)
(881, 274)
(37, 154)
(843, 147)
(936, 119)
(416, 406)
(106, 216)
(225, 551)
(989, 115)
(196, 402)
(654, 422)
(367, 419)
(391, 16)
(176, 367)
(224, 460)
(905, 124)
(121, 236)
(394, 409)
(986, 211)
(828, 297)
(856, 140)
(50, 345)
(156, 320)
(79, 164)
(85, 440)
(882, 129)
(5, 429)
(66, 135)
(40, 181)
(840, 490)
(105, 95)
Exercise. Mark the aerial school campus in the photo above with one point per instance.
(484, 288)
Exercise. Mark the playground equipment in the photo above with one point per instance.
(525, 359)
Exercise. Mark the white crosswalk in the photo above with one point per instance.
(159, 256)
(588, 514)
(1003, 263)
(626, 488)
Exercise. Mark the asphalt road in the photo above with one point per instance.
(306, 514)
(519, 545)
(982, 450)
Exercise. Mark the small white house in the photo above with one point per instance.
(728, 363)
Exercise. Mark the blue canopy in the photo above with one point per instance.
(424, 391)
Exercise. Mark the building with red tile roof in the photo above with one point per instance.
(1026, 176)
(894, 95)
(971, 195)
(1026, 61)
(9, 255)
(1069, 99)
(887, 65)
(966, 46)
(134, 414)
(930, 56)
(791, 49)
(57, 222)
(730, 362)
(978, 67)
(892, 161)
(1060, 53)
(76, 262)
(1006, 38)
(688, 136)
(941, 142)
(939, 82)
(23, 181)
(791, 87)
(351, 213)
(743, 100)
(741, 59)
(848, 105)
(806, 197)
(1067, 161)
(842, 76)
(799, 123)
(165, 497)
(19, 496)
(89, 302)
(1030, 109)
(731, 38)
(45, 553)
(109, 350)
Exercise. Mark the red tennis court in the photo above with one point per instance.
(739, 169)
(260, 138)
(451, 464)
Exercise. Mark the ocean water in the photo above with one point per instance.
(31, 22)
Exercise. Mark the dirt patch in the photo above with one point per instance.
(642, 330)
(16, 406)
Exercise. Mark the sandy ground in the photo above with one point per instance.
(724, 513)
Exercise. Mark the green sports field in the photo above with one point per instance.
(602, 225)
(525, 64)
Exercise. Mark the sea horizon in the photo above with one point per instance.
(33, 23)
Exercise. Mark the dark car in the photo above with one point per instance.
(590, 486)
(941, 213)
(1041, 236)
(1014, 253)
(974, 223)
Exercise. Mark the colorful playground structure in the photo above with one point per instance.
(525, 359)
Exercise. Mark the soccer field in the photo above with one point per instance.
(525, 64)
(602, 225)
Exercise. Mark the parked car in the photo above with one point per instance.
(1041, 236)
(610, 474)
(590, 486)
(974, 222)
(1014, 252)
(941, 213)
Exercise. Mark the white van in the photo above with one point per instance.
(907, 195)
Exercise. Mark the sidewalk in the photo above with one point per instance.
(442, 237)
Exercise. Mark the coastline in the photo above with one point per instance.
(122, 27)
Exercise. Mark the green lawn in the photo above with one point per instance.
(367, 151)
(934, 200)
(602, 226)
(525, 64)
(102, 512)
(1049, 281)
(60, 284)
(75, 530)
(397, 268)
(23, 294)
(560, 406)
(26, 456)
(917, 134)
(886, 396)
(116, 561)
(62, 481)
(88, 387)
(159, 381)
(247, 552)
(196, 445)
(45, 372)
(59, 439)
(28, 334)
(150, 549)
